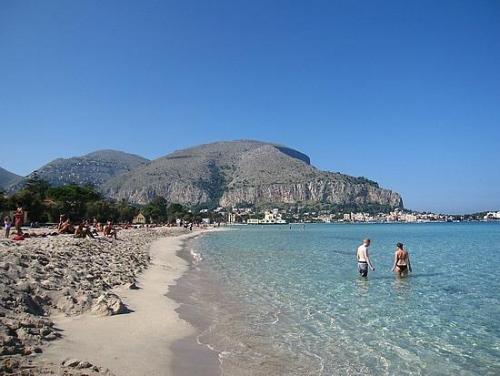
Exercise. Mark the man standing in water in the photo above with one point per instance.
(364, 259)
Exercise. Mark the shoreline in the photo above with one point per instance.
(146, 339)
(197, 317)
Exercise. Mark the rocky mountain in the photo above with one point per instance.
(95, 168)
(235, 172)
(7, 178)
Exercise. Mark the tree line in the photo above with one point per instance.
(45, 203)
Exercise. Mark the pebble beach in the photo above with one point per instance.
(47, 283)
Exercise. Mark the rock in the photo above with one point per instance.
(51, 337)
(83, 365)
(72, 362)
(133, 286)
(9, 365)
(24, 286)
(108, 304)
(32, 306)
(65, 304)
(26, 351)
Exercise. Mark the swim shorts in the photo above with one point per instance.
(363, 268)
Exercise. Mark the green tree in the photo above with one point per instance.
(174, 212)
(156, 210)
(125, 211)
(75, 199)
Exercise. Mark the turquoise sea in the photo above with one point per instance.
(281, 301)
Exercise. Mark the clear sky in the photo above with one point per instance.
(404, 92)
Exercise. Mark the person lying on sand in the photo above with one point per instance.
(401, 261)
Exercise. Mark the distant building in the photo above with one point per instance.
(231, 218)
(408, 217)
(272, 217)
(139, 219)
(492, 215)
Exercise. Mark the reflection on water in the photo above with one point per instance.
(291, 302)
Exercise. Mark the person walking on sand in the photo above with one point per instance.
(401, 261)
(364, 258)
(7, 224)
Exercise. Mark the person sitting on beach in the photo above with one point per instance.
(62, 219)
(66, 227)
(110, 231)
(401, 261)
(83, 230)
(7, 224)
(19, 219)
(364, 259)
(94, 229)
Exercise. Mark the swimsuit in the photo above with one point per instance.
(402, 268)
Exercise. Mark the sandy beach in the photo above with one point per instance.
(138, 342)
(129, 329)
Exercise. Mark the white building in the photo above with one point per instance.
(492, 215)
(272, 217)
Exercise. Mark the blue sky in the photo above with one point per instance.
(404, 92)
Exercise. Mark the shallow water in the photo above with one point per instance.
(277, 301)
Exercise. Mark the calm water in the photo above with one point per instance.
(290, 302)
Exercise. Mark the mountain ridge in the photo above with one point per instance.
(225, 173)
(233, 172)
(94, 168)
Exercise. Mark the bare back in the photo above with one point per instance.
(362, 254)
(401, 257)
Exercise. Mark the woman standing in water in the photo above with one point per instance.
(401, 261)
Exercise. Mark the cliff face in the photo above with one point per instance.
(332, 192)
(229, 173)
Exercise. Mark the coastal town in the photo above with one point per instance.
(251, 216)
